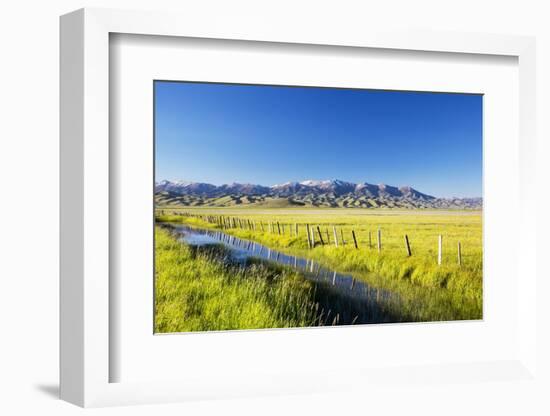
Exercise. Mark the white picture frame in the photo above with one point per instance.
(85, 210)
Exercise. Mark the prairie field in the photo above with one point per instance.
(427, 290)
(198, 291)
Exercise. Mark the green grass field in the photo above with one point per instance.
(428, 291)
(198, 291)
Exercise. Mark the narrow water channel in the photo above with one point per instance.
(344, 299)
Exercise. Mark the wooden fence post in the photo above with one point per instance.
(312, 237)
(354, 239)
(370, 239)
(407, 245)
(296, 229)
(279, 227)
(308, 237)
(342, 237)
(335, 236)
(328, 236)
(379, 240)
(320, 236)
(459, 254)
(440, 250)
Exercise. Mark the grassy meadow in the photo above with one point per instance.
(427, 291)
(198, 291)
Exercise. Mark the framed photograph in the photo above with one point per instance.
(239, 206)
(288, 251)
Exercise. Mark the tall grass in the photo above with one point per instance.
(456, 290)
(202, 290)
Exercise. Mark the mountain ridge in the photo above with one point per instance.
(331, 193)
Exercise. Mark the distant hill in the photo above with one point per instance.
(327, 193)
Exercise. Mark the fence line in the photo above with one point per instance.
(324, 238)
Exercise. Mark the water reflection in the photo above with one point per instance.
(352, 300)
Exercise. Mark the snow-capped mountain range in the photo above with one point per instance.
(332, 193)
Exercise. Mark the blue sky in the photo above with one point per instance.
(224, 133)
